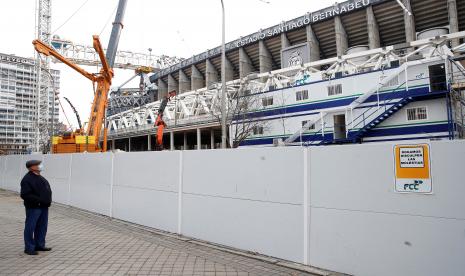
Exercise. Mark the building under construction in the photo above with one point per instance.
(305, 69)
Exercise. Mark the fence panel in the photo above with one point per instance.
(145, 189)
(377, 231)
(57, 170)
(91, 182)
(249, 199)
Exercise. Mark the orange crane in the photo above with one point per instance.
(89, 141)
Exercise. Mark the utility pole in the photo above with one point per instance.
(223, 83)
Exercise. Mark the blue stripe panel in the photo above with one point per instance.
(420, 129)
(414, 92)
(408, 130)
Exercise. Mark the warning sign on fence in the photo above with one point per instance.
(413, 171)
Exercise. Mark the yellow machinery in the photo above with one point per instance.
(80, 141)
(89, 141)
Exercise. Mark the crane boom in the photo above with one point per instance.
(116, 33)
(44, 49)
(76, 142)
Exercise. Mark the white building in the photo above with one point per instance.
(18, 109)
(397, 100)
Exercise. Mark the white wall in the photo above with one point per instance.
(354, 208)
(91, 176)
(145, 188)
(330, 207)
(249, 199)
(57, 170)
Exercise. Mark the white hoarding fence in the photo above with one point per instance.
(356, 209)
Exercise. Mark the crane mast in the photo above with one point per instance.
(99, 105)
(116, 33)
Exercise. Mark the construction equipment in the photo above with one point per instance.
(89, 141)
(159, 123)
(122, 99)
(78, 118)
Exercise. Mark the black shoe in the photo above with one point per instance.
(31, 252)
(43, 248)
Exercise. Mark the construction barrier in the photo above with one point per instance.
(371, 209)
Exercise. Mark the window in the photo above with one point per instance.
(417, 113)
(267, 101)
(301, 95)
(309, 127)
(257, 130)
(335, 89)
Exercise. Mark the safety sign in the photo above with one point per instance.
(413, 169)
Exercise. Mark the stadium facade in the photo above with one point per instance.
(18, 108)
(322, 62)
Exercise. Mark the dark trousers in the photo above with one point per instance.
(35, 228)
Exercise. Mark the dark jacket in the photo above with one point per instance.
(35, 191)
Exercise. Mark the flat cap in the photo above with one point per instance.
(31, 163)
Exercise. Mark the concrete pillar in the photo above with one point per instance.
(229, 70)
(162, 88)
(313, 43)
(265, 58)
(185, 141)
(212, 138)
(129, 147)
(453, 20)
(171, 140)
(342, 43)
(245, 64)
(285, 43)
(199, 139)
(211, 75)
(374, 40)
(184, 82)
(149, 142)
(173, 85)
(409, 22)
(197, 79)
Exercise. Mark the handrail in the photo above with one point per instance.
(308, 143)
(366, 111)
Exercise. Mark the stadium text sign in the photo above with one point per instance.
(285, 26)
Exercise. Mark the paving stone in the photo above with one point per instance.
(89, 244)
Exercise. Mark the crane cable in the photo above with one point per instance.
(108, 20)
(64, 113)
(70, 17)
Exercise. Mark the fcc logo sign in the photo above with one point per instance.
(413, 169)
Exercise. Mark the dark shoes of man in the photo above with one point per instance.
(31, 252)
(43, 248)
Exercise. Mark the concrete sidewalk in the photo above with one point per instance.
(88, 244)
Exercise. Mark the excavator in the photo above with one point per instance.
(89, 140)
(159, 123)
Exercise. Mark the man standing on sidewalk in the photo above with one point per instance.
(37, 196)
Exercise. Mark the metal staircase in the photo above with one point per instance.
(356, 103)
(363, 123)
(361, 128)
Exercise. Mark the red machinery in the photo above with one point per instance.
(159, 123)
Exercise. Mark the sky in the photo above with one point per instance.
(176, 27)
